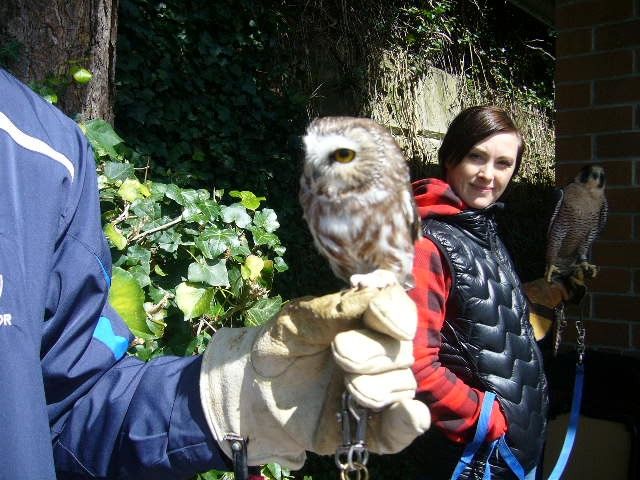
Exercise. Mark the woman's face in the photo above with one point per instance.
(484, 173)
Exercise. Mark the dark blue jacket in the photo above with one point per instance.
(69, 395)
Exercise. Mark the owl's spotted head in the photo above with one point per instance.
(347, 153)
(592, 176)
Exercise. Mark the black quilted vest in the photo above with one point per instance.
(487, 340)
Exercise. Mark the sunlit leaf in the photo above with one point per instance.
(247, 199)
(127, 298)
(130, 190)
(252, 267)
(237, 214)
(263, 310)
(193, 301)
(102, 135)
(266, 219)
(115, 237)
(118, 171)
(215, 275)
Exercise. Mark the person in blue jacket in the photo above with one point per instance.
(73, 404)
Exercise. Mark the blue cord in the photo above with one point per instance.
(572, 429)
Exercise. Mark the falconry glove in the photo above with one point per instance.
(280, 385)
(544, 297)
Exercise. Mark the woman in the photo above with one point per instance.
(474, 344)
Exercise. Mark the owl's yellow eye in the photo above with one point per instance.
(343, 155)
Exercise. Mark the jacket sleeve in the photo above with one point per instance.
(71, 398)
(454, 405)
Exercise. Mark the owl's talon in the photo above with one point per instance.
(377, 279)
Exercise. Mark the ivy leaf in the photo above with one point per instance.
(185, 197)
(252, 267)
(247, 199)
(130, 190)
(115, 237)
(262, 237)
(127, 298)
(118, 171)
(267, 220)
(263, 310)
(81, 75)
(280, 265)
(237, 214)
(193, 301)
(102, 136)
(215, 275)
(214, 241)
(169, 241)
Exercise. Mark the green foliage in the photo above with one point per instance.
(205, 91)
(54, 86)
(185, 263)
(473, 37)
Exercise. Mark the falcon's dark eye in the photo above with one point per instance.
(343, 155)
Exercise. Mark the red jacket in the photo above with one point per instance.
(455, 406)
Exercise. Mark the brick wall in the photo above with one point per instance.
(598, 121)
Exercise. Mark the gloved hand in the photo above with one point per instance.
(280, 384)
(544, 297)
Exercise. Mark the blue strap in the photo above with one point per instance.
(572, 429)
(510, 459)
(478, 439)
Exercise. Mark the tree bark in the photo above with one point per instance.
(56, 35)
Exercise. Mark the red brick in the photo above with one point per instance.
(618, 90)
(620, 35)
(592, 13)
(619, 172)
(566, 172)
(573, 95)
(624, 199)
(611, 280)
(616, 254)
(599, 333)
(618, 145)
(573, 42)
(635, 336)
(590, 67)
(616, 307)
(573, 148)
(594, 120)
(618, 227)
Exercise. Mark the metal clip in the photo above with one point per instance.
(352, 456)
(238, 446)
(581, 334)
(560, 323)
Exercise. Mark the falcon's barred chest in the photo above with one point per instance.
(579, 217)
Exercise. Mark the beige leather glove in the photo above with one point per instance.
(280, 385)
(543, 297)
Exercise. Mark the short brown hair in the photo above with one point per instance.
(471, 126)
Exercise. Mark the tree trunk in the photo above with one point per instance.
(56, 35)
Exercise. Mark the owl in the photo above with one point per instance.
(579, 217)
(356, 197)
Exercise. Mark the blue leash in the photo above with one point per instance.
(572, 429)
(507, 454)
